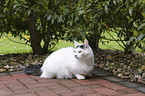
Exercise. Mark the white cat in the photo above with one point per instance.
(69, 62)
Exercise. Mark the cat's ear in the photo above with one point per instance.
(86, 43)
(76, 43)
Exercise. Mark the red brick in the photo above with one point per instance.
(68, 83)
(8, 81)
(42, 85)
(2, 86)
(95, 86)
(5, 91)
(21, 77)
(16, 86)
(106, 91)
(36, 77)
(89, 82)
(112, 86)
(47, 93)
(80, 88)
(18, 75)
(99, 80)
(127, 91)
(28, 94)
(23, 85)
(32, 90)
(4, 76)
(60, 89)
(7, 78)
(95, 94)
(77, 88)
(24, 91)
(55, 87)
(45, 80)
(14, 78)
(76, 93)
(135, 94)
(28, 81)
(84, 82)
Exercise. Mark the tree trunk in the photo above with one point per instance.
(45, 34)
(36, 36)
(129, 47)
(35, 42)
(94, 41)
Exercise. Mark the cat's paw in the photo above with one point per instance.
(45, 76)
(80, 77)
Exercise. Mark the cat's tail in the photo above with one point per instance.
(33, 70)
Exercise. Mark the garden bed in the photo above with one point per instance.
(121, 65)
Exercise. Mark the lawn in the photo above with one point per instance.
(7, 46)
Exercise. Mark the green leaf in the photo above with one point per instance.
(1, 15)
(135, 24)
(141, 26)
(106, 9)
(143, 13)
(115, 1)
(15, 6)
(141, 36)
(119, 8)
(49, 17)
(70, 23)
(77, 18)
(7, 1)
(81, 12)
(5, 9)
(130, 11)
(89, 10)
(52, 21)
(29, 12)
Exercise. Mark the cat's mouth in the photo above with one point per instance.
(76, 57)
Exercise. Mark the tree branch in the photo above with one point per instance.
(16, 41)
(115, 40)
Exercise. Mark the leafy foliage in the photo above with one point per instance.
(90, 18)
(50, 20)
(46, 21)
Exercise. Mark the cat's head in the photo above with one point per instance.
(82, 50)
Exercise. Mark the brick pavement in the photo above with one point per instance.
(101, 84)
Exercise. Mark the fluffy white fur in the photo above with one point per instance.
(69, 62)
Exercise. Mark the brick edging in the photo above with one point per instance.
(106, 76)
(123, 82)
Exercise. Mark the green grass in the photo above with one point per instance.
(7, 46)
(112, 44)
(63, 44)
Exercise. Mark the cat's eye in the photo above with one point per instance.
(74, 51)
(80, 51)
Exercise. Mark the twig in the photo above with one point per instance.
(53, 46)
(16, 41)
(115, 40)
(120, 38)
(111, 39)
